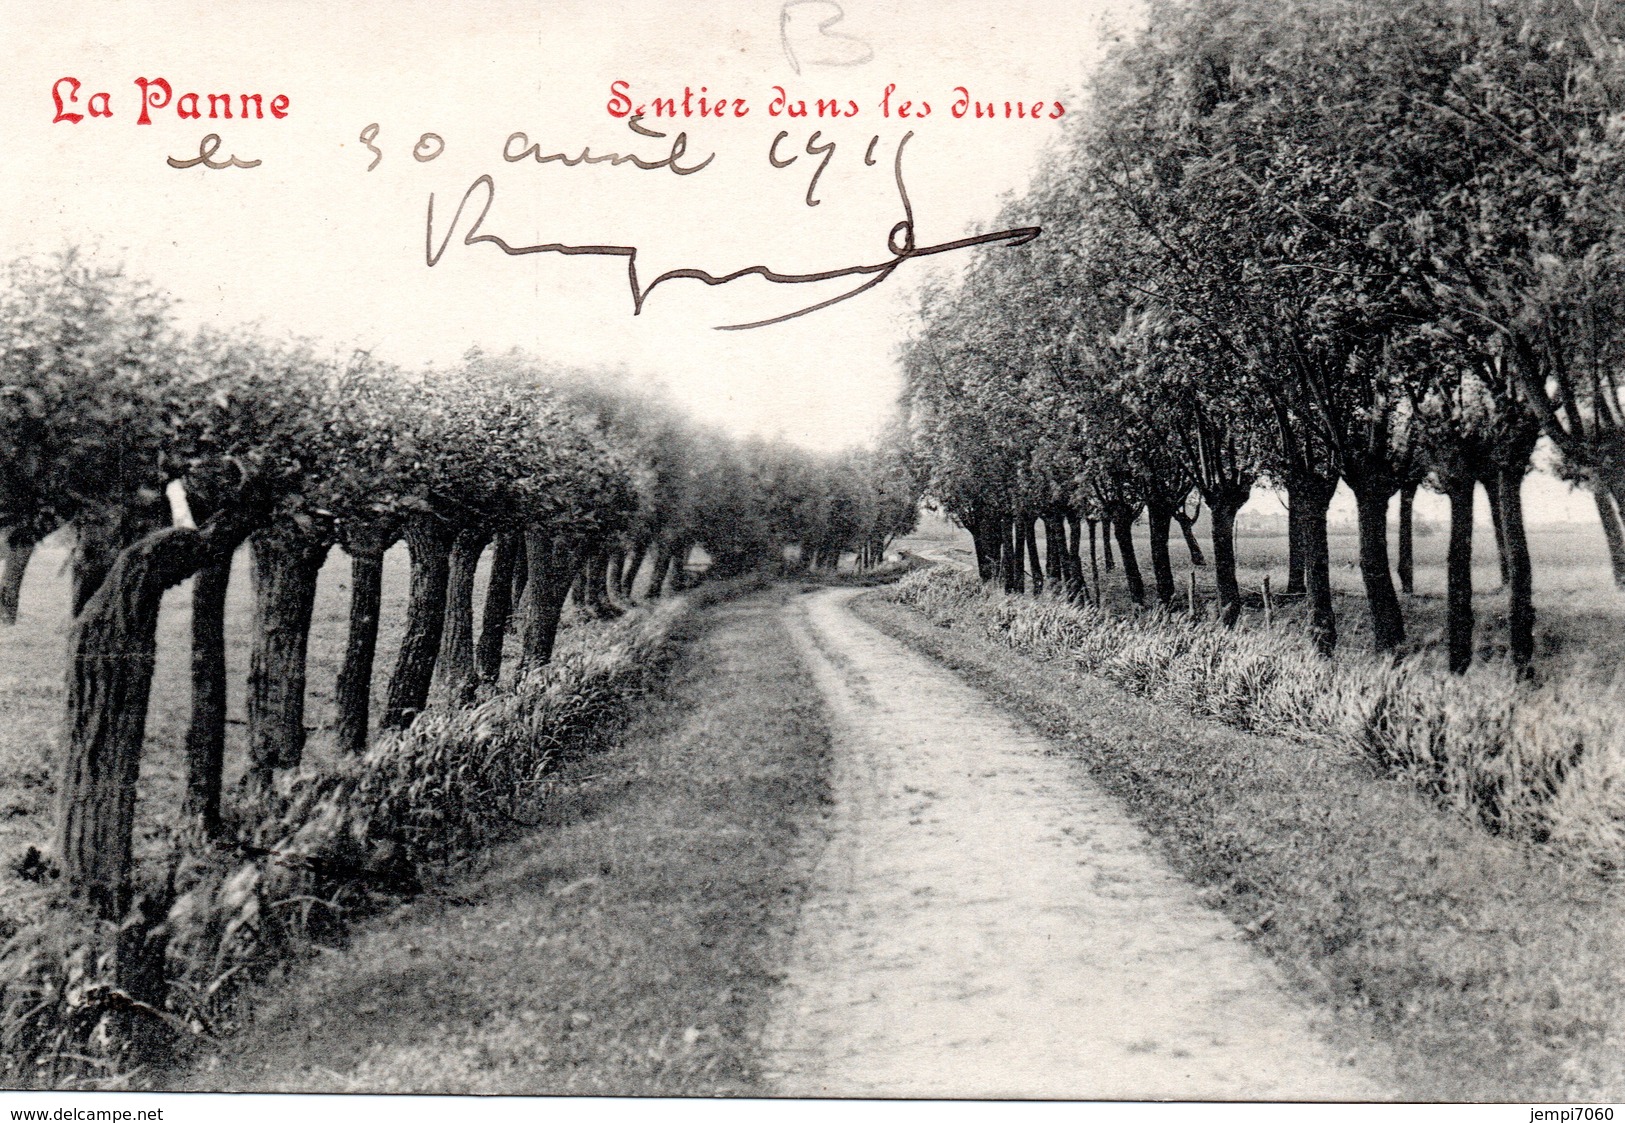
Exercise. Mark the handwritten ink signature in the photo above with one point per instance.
(900, 242)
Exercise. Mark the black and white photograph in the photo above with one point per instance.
(782, 553)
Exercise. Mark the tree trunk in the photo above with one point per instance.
(100, 536)
(1058, 574)
(679, 566)
(1616, 491)
(1520, 576)
(1612, 529)
(1407, 553)
(428, 541)
(592, 583)
(11, 579)
(1061, 575)
(1060, 533)
(1187, 527)
(1124, 530)
(139, 957)
(979, 550)
(1387, 618)
(498, 610)
(1106, 546)
(1222, 529)
(1296, 584)
(1094, 563)
(629, 571)
(206, 734)
(659, 562)
(1310, 503)
(521, 571)
(612, 576)
(111, 645)
(1029, 530)
(1459, 575)
(1010, 553)
(285, 564)
(454, 668)
(552, 570)
(1072, 542)
(1159, 524)
(984, 541)
(353, 699)
(1492, 492)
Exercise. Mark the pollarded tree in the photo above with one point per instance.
(666, 506)
(581, 463)
(256, 428)
(583, 494)
(894, 479)
(85, 378)
(1470, 428)
(379, 413)
(239, 458)
(1497, 113)
(1202, 407)
(964, 421)
(635, 421)
(474, 447)
(789, 481)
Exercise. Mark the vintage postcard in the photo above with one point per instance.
(814, 549)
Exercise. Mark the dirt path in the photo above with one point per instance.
(985, 922)
(628, 946)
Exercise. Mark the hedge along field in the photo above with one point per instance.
(1539, 764)
(171, 458)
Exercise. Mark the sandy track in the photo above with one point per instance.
(985, 922)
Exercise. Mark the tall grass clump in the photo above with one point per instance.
(1539, 763)
(84, 1002)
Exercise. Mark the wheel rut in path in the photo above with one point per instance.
(986, 923)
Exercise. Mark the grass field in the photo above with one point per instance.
(1580, 619)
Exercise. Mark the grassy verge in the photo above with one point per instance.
(1540, 763)
(1482, 968)
(629, 945)
(88, 1002)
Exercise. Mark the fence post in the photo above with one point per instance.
(1190, 592)
(1269, 603)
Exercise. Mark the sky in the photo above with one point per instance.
(312, 242)
(327, 236)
